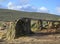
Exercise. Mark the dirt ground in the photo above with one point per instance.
(37, 38)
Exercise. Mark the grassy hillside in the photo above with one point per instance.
(11, 15)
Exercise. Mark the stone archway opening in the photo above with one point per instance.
(23, 27)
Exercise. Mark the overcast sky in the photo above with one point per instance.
(45, 6)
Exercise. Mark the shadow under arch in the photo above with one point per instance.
(23, 27)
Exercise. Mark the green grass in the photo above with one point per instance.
(12, 15)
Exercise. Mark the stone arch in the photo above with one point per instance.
(23, 27)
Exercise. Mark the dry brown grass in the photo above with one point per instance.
(47, 39)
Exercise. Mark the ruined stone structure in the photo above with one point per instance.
(19, 23)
